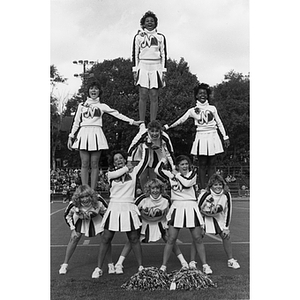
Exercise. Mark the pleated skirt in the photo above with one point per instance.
(152, 232)
(90, 138)
(121, 217)
(90, 227)
(207, 143)
(184, 214)
(149, 75)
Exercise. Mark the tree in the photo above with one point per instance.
(55, 116)
(231, 98)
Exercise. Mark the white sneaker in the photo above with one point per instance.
(119, 269)
(163, 268)
(232, 263)
(141, 268)
(63, 269)
(97, 273)
(206, 269)
(111, 269)
(193, 265)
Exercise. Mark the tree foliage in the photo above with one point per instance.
(231, 97)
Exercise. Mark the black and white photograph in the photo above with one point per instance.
(150, 149)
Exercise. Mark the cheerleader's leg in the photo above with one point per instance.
(134, 239)
(95, 157)
(74, 239)
(211, 164)
(143, 97)
(202, 161)
(198, 240)
(172, 237)
(105, 241)
(85, 163)
(153, 95)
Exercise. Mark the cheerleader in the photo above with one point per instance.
(83, 215)
(184, 211)
(122, 214)
(149, 57)
(153, 206)
(87, 135)
(207, 143)
(159, 145)
(216, 206)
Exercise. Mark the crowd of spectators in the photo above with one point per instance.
(65, 180)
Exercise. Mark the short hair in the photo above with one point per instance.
(96, 84)
(113, 153)
(154, 124)
(202, 86)
(84, 191)
(181, 158)
(151, 14)
(152, 183)
(217, 178)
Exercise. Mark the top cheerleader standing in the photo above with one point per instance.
(149, 56)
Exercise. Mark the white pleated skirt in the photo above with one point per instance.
(90, 138)
(207, 143)
(89, 227)
(152, 232)
(121, 217)
(184, 214)
(149, 75)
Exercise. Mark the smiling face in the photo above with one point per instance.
(149, 23)
(155, 191)
(86, 201)
(154, 133)
(119, 161)
(217, 187)
(183, 167)
(94, 92)
(202, 95)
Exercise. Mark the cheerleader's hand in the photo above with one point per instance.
(129, 166)
(134, 78)
(75, 234)
(70, 143)
(225, 234)
(226, 143)
(137, 123)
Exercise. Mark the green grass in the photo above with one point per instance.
(109, 288)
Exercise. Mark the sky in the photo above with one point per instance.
(211, 35)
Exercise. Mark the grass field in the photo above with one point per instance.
(78, 284)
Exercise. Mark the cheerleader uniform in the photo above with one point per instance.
(216, 223)
(87, 125)
(122, 214)
(184, 211)
(149, 56)
(206, 120)
(163, 149)
(153, 213)
(89, 227)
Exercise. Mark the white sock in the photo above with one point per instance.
(120, 260)
(181, 258)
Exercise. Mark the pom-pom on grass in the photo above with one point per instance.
(190, 280)
(149, 279)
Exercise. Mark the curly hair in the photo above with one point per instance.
(154, 183)
(217, 178)
(151, 14)
(202, 86)
(113, 153)
(85, 191)
(92, 84)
